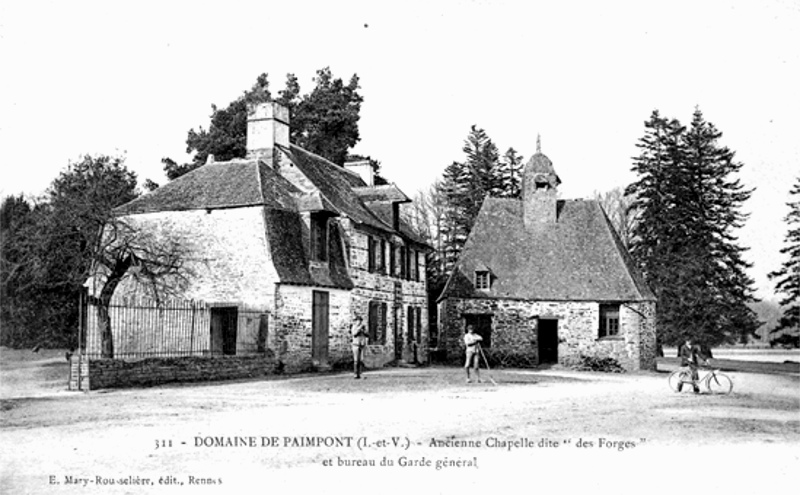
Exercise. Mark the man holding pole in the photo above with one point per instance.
(472, 341)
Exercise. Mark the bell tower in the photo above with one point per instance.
(539, 190)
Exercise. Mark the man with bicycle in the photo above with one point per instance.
(690, 355)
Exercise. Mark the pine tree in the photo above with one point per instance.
(787, 278)
(687, 205)
(481, 161)
(508, 175)
(453, 189)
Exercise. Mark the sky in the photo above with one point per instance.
(132, 78)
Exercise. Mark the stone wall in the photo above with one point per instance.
(514, 329)
(292, 338)
(113, 373)
(397, 293)
(227, 253)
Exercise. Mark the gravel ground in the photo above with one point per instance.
(546, 429)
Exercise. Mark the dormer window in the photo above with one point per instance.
(482, 279)
(319, 237)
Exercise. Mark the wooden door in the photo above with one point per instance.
(548, 341)
(223, 331)
(319, 330)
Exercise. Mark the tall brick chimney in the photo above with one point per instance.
(267, 126)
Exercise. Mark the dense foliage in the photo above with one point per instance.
(324, 121)
(687, 204)
(48, 250)
(787, 277)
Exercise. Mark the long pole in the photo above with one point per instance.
(486, 361)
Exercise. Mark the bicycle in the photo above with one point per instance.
(714, 381)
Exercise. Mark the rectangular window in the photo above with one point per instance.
(410, 324)
(382, 320)
(376, 322)
(481, 280)
(392, 257)
(416, 266)
(319, 237)
(609, 320)
(370, 254)
(383, 256)
(372, 322)
(418, 325)
(402, 262)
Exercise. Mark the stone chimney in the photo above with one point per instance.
(267, 126)
(539, 191)
(364, 169)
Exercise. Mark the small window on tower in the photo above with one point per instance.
(482, 279)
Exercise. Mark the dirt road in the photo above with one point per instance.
(535, 430)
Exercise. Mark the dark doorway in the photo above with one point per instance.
(548, 341)
(483, 327)
(319, 330)
(223, 331)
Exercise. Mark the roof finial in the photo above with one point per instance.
(538, 143)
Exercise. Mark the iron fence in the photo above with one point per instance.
(141, 327)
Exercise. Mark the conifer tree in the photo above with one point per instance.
(508, 175)
(687, 204)
(787, 277)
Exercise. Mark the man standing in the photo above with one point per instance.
(359, 334)
(690, 355)
(472, 341)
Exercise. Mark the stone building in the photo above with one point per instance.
(286, 248)
(545, 280)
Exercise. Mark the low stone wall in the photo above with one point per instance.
(114, 373)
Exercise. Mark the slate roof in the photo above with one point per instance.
(218, 185)
(578, 258)
(387, 192)
(336, 185)
(242, 183)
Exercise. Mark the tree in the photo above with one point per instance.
(154, 259)
(687, 205)
(97, 244)
(324, 121)
(787, 277)
(18, 308)
(508, 175)
(51, 249)
(618, 209)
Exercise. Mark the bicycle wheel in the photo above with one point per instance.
(719, 384)
(675, 379)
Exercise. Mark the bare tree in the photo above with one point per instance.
(618, 209)
(154, 259)
(426, 215)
